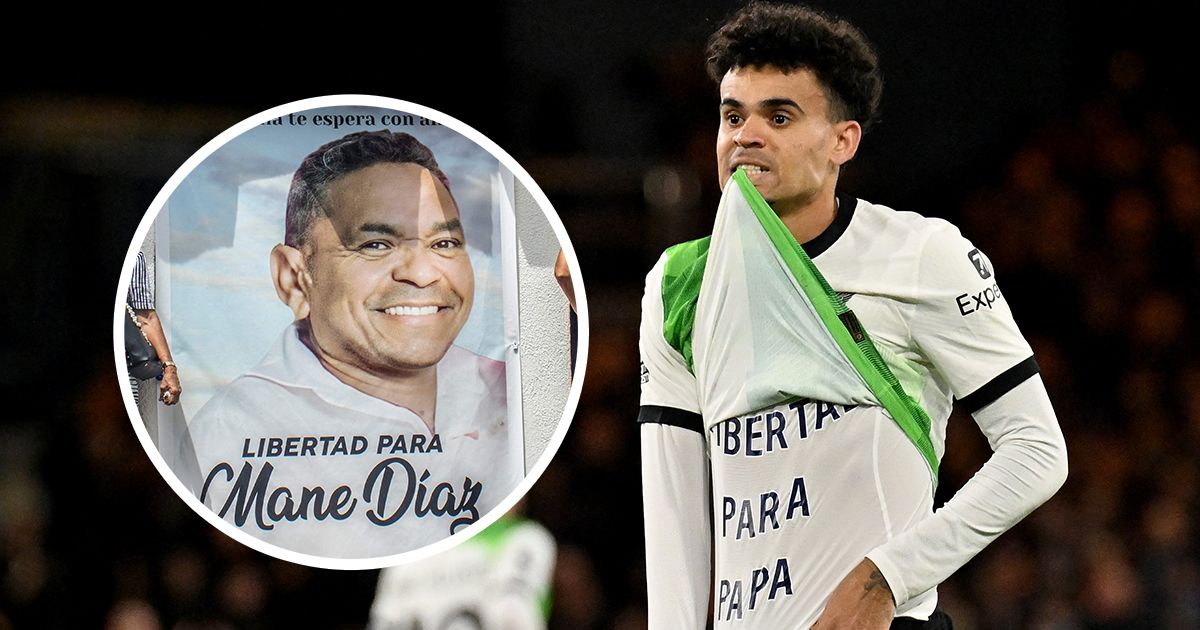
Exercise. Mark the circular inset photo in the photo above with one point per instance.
(349, 327)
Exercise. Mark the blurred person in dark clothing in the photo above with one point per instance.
(141, 300)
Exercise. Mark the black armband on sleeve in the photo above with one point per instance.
(1000, 385)
(653, 414)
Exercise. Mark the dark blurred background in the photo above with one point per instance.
(1058, 136)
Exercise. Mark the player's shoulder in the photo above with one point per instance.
(681, 260)
(672, 291)
(905, 225)
(911, 239)
(674, 281)
(946, 262)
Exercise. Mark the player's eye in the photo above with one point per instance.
(780, 119)
(447, 243)
(733, 119)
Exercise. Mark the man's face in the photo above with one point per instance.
(391, 283)
(776, 127)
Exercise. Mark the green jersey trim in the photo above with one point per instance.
(495, 535)
(843, 325)
(494, 538)
(682, 273)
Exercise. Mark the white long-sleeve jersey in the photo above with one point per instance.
(766, 512)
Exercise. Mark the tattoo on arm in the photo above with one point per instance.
(876, 581)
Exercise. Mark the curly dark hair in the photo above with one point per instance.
(791, 37)
(319, 169)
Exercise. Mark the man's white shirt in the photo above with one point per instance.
(803, 490)
(293, 456)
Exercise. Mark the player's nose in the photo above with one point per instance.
(750, 133)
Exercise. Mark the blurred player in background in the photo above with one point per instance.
(498, 580)
(822, 507)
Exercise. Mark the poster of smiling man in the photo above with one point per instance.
(336, 284)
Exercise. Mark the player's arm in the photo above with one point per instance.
(964, 325)
(675, 478)
(1027, 466)
(675, 490)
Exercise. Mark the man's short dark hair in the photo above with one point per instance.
(308, 198)
(791, 37)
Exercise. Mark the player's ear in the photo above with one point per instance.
(847, 135)
(289, 270)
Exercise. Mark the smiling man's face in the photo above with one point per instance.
(390, 284)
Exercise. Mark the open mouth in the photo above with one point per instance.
(411, 310)
(751, 169)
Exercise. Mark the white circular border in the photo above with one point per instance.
(351, 563)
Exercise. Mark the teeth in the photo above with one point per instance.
(411, 310)
(752, 169)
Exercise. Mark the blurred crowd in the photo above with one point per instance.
(1092, 221)
(1095, 231)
